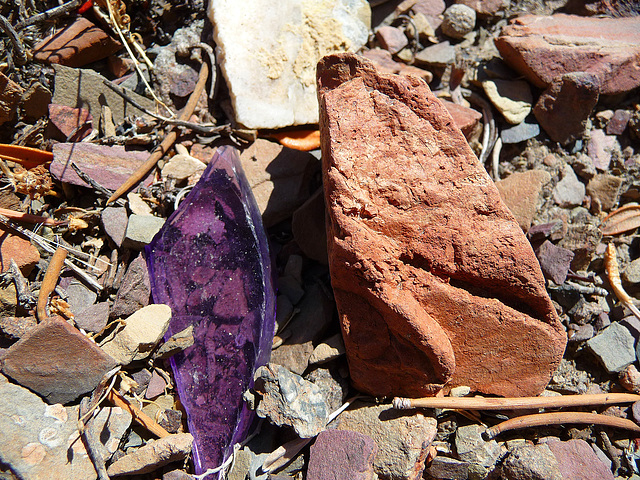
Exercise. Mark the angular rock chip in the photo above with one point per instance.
(56, 361)
(543, 47)
(341, 454)
(434, 280)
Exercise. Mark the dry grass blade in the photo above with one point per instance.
(621, 220)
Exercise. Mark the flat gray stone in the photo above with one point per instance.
(135, 290)
(84, 88)
(614, 347)
(114, 221)
(40, 439)
(521, 132)
(531, 462)
(438, 55)
(446, 468)
(269, 54)
(93, 318)
(569, 191)
(472, 448)
(140, 230)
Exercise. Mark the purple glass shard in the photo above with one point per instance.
(210, 263)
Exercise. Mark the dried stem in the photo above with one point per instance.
(560, 418)
(49, 281)
(138, 415)
(516, 403)
(19, 53)
(611, 267)
(50, 14)
(168, 141)
(27, 217)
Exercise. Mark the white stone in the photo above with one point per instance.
(141, 333)
(512, 98)
(269, 52)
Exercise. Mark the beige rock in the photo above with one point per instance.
(511, 97)
(156, 454)
(141, 333)
(434, 280)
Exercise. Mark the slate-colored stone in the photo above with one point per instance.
(341, 454)
(446, 468)
(135, 290)
(563, 109)
(56, 361)
(114, 221)
(521, 132)
(438, 55)
(403, 438)
(424, 256)
(110, 166)
(543, 47)
(40, 441)
(614, 347)
(93, 318)
(531, 462)
(577, 461)
(555, 261)
(471, 447)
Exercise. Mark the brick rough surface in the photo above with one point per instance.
(434, 280)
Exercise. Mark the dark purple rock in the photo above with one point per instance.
(555, 261)
(341, 454)
(210, 263)
(618, 123)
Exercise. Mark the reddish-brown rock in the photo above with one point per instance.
(10, 94)
(434, 280)
(77, 45)
(543, 47)
(20, 250)
(564, 108)
(466, 119)
(485, 8)
(386, 64)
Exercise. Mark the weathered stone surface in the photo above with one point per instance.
(40, 441)
(141, 333)
(153, 455)
(386, 64)
(85, 88)
(392, 39)
(531, 462)
(18, 249)
(543, 47)
(520, 192)
(289, 399)
(458, 20)
(445, 468)
(481, 455)
(577, 461)
(135, 290)
(431, 274)
(569, 191)
(341, 454)
(93, 318)
(563, 109)
(467, 119)
(403, 439)
(279, 178)
(10, 94)
(114, 221)
(485, 8)
(270, 67)
(600, 148)
(555, 261)
(618, 122)
(141, 229)
(604, 189)
(76, 45)
(109, 166)
(613, 347)
(56, 361)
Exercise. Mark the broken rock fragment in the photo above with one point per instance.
(434, 280)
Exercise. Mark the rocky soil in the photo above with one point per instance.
(522, 217)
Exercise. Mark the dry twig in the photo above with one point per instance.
(168, 141)
(516, 403)
(19, 53)
(611, 267)
(49, 281)
(50, 14)
(138, 415)
(560, 418)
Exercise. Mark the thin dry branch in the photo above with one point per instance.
(168, 141)
(138, 415)
(516, 403)
(49, 281)
(560, 418)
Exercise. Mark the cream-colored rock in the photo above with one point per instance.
(269, 52)
(141, 333)
(182, 165)
(511, 97)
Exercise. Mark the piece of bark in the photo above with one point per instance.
(434, 280)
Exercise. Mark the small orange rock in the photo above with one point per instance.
(18, 249)
(304, 140)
